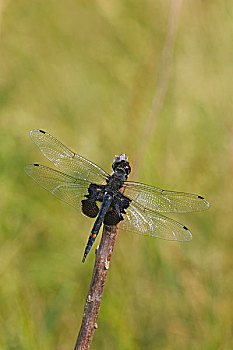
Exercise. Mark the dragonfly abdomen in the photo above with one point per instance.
(100, 218)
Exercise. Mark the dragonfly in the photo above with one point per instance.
(110, 198)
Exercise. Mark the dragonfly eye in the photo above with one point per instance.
(123, 165)
(127, 168)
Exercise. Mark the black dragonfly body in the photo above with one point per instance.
(83, 185)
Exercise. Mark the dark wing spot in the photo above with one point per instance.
(43, 132)
(185, 228)
(36, 164)
(200, 197)
(90, 208)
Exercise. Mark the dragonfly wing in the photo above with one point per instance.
(164, 201)
(62, 186)
(66, 160)
(147, 222)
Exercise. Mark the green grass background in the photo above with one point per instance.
(86, 71)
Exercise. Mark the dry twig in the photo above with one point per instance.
(94, 297)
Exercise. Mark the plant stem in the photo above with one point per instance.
(94, 297)
(164, 73)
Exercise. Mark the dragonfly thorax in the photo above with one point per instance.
(116, 181)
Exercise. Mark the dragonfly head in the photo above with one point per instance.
(121, 165)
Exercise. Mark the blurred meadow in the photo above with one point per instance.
(87, 72)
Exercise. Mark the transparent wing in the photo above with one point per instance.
(164, 201)
(66, 160)
(62, 186)
(149, 223)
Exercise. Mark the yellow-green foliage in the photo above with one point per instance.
(86, 71)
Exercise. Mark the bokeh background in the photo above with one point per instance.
(87, 72)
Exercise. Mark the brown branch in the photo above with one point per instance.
(162, 81)
(94, 297)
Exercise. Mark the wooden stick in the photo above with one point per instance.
(94, 297)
